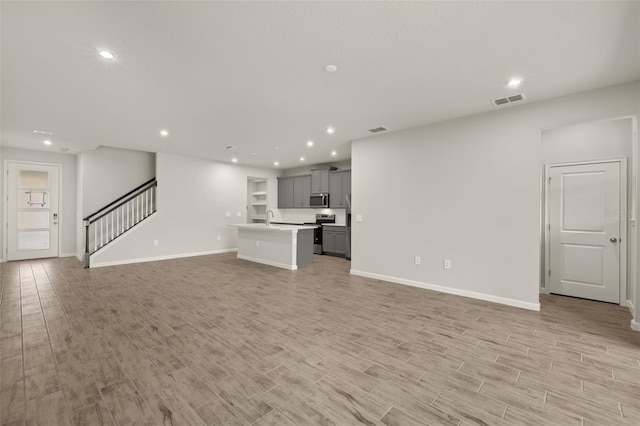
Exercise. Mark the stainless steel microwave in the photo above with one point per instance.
(319, 201)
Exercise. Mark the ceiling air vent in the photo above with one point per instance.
(378, 129)
(508, 99)
(230, 147)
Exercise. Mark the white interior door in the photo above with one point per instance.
(585, 232)
(32, 211)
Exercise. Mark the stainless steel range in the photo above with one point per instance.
(317, 235)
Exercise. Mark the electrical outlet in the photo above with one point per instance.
(417, 260)
(218, 238)
(358, 218)
(156, 243)
(446, 264)
(257, 243)
(228, 214)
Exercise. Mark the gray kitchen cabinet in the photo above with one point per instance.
(334, 240)
(339, 187)
(285, 192)
(301, 191)
(320, 181)
(294, 192)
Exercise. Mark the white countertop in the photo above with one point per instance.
(272, 228)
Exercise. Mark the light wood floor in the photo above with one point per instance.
(216, 340)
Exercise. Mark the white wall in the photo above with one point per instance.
(467, 190)
(599, 140)
(193, 198)
(104, 175)
(67, 191)
(108, 173)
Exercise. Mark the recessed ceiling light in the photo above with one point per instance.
(47, 142)
(309, 143)
(514, 82)
(254, 153)
(330, 130)
(106, 54)
(275, 163)
(333, 153)
(164, 133)
(331, 68)
(276, 147)
(235, 160)
(301, 158)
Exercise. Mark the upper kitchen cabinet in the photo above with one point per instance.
(294, 192)
(339, 187)
(301, 191)
(320, 180)
(285, 192)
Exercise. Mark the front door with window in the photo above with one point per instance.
(32, 210)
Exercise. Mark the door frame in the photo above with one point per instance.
(5, 221)
(624, 218)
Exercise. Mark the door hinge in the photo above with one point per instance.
(549, 180)
(549, 226)
(549, 272)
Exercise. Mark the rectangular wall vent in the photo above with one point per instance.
(508, 99)
(378, 129)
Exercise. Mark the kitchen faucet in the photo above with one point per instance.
(268, 218)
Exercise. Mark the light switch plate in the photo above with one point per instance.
(238, 214)
(228, 214)
(358, 218)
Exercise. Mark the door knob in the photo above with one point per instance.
(613, 240)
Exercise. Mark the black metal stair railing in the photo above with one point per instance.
(116, 218)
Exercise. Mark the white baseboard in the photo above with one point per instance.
(632, 308)
(2, 260)
(635, 325)
(79, 257)
(156, 258)
(268, 262)
(67, 255)
(450, 290)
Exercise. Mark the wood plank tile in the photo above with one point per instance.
(218, 412)
(288, 403)
(12, 403)
(248, 406)
(92, 414)
(396, 417)
(347, 404)
(216, 340)
(477, 408)
(126, 405)
(410, 371)
(49, 409)
(273, 418)
(415, 407)
(304, 388)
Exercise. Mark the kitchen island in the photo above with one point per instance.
(284, 246)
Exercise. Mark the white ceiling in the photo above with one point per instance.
(250, 74)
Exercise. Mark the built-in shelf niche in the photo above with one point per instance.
(257, 200)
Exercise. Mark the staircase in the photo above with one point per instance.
(105, 225)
